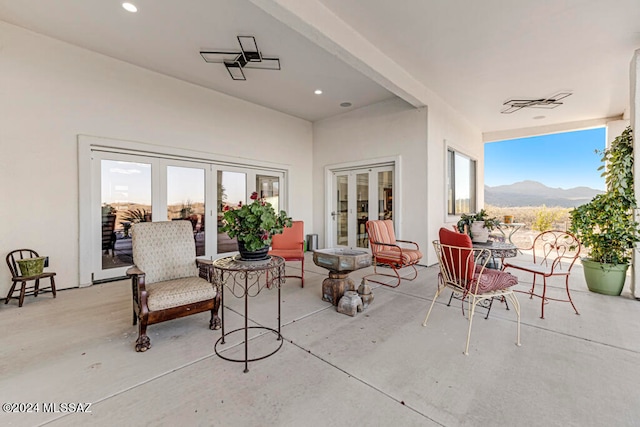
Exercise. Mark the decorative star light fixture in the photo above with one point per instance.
(553, 101)
(248, 57)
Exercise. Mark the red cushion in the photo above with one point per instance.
(392, 256)
(458, 262)
(492, 280)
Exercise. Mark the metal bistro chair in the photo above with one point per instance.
(17, 277)
(463, 270)
(290, 246)
(554, 254)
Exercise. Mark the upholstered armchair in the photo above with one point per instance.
(391, 252)
(167, 280)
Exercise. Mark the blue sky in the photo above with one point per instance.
(562, 160)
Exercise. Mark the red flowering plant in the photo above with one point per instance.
(254, 224)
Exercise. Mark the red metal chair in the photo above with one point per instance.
(463, 269)
(386, 251)
(554, 254)
(290, 245)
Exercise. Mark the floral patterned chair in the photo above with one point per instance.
(167, 280)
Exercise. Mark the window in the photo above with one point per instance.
(461, 183)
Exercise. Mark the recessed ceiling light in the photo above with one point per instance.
(346, 104)
(130, 7)
(317, 92)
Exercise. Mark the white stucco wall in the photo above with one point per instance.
(417, 136)
(51, 91)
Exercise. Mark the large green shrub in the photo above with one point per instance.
(606, 225)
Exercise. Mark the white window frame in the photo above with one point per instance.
(449, 181)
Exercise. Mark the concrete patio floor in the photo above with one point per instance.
(379, 368)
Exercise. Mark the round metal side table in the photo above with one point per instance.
(246, 279)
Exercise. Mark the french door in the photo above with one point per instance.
(357, 196)
(131, 188)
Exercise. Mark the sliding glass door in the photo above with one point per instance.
(357, 196)
(127, 189)
(234, 188)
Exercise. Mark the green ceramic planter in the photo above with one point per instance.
(607, 279)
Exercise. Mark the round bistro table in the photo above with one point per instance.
(244, 279)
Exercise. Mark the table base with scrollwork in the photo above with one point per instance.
(245, 279)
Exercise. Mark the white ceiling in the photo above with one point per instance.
(473, 55)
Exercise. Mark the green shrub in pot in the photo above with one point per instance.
(605, 225)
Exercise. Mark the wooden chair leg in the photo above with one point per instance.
(23, 289)
(11, 291)
(215, 322)
(53, 286)
(143, 343)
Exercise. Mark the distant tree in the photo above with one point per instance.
(544, 219)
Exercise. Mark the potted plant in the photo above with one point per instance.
(605, 225)
(254, 225)
(477, 225)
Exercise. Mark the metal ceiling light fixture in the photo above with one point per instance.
(551, 102)
(248, 57)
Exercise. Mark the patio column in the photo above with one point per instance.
(635, 122)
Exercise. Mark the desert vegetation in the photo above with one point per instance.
(537, 218)
(534, 218)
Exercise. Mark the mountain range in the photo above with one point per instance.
(534, 193)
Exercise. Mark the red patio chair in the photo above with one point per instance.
(386, 250)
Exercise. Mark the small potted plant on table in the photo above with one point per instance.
(254, 225)
(477, 225)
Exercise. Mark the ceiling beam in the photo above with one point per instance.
(503, 135)
(319, 24)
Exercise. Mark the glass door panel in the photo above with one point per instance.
(186, 200)
(232, 191)
(268, 187)
(341, 210)
(385, 195)
(362, 209)
(125, 199)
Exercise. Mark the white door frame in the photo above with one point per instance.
(394, 161)
(87, 145)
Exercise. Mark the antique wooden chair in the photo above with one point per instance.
(108, 233)
(392, 252)
(554, 254)
(290, 246)
(18, 277)
(463, 270)
(168, 281)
